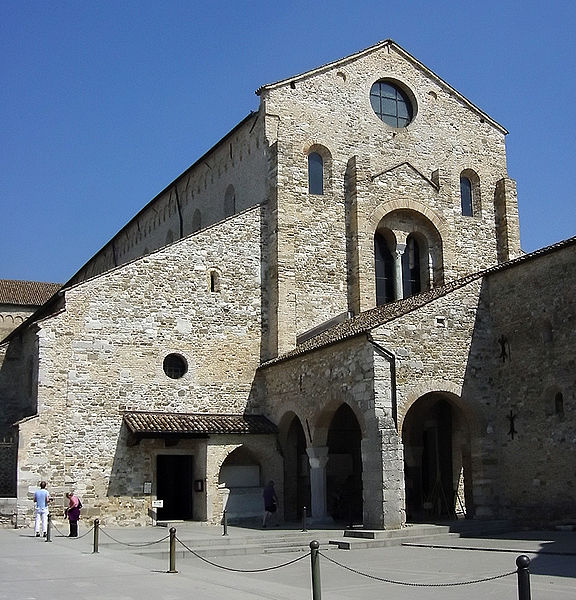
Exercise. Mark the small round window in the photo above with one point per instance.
(175, 366)
(391, 104)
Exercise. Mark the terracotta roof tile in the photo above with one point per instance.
(146, 423)
(29, 293)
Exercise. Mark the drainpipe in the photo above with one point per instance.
(391, 358)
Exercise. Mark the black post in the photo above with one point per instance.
(304, 517)
(225, 523)
(49, 529)
(96, 535)
(522, 562)
(172, 550)
(315, 560)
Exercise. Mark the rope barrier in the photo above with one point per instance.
(202, 558)
(407, 583)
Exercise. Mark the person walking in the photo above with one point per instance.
(42, 500)
(270, 502)
(72, 513)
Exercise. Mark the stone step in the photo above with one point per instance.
(357, 543)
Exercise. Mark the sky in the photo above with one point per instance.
(103, 104)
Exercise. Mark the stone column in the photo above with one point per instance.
(318, 458)
(398, 279)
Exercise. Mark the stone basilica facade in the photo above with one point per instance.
(333, 297)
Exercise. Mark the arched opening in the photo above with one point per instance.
(296, 472)
(344, 467)
(384, 268)
(412, 261)
(240, 477)
(315, 174)
(437, 460)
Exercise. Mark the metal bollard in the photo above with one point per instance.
(225, 523)
(304, 518)
(172, 550)
(315, 563)
(522, 562)
(96, 535)
(49, 529)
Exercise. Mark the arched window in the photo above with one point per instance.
(315, 174)
(384, 267)
(411, 268)
(214, 281)
(229, 201)
(466, 196)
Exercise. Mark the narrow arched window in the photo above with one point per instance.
(315, 174)
(384, 267)
(214, 281)
(466, 197)
(411, 279)
(559, 404)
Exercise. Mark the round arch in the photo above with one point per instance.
(438, 431)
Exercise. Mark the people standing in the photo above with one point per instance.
(270, 502)
(72, 513)
(42, 500)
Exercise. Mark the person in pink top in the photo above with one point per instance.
(73, 513)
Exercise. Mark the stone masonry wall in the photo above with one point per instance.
(330, 108)
(104, 354)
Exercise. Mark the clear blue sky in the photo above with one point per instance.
(103, 104)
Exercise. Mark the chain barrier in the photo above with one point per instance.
(78, 537)
(202, 558)
(407, 583)
(133, 545)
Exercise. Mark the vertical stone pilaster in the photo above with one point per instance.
(318, 458)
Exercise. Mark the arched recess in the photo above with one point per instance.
(319, 169)
(437, 438)
(344, 467)
(296, 467)
(408, 255)
(470, 200)
(240, 475)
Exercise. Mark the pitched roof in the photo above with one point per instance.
(375, 317)
(397, 48)
(27, 293)
(143, 423)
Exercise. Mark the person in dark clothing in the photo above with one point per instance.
(72, 513)
(270, 502)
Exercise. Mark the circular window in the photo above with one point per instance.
(391, 104)
(175, 366)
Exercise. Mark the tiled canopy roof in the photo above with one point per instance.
(150, 424)
(28, 293)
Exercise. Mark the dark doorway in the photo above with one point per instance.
(344, 468)
(428, 455)
(296, 472)
(175, 486)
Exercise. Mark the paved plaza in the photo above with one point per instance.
(130, 566)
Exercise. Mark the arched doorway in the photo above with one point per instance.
(436, 442)
(240, 479)
(344, 467)
(296, 471)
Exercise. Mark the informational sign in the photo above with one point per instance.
(157, 503)
(147, 487)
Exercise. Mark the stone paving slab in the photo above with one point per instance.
(31, 569)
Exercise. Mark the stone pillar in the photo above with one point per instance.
(398, 279)
(318, 458)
